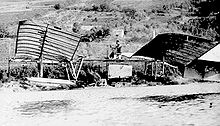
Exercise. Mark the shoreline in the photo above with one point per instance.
(100, 93)
(108, 106)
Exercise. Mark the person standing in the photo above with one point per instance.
(118, 49)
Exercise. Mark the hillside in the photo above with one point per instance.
(97, 20)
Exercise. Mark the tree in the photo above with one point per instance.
(3, 32)
(75, 27)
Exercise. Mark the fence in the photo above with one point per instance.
(140, 68)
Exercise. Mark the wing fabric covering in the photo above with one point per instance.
(34, 39)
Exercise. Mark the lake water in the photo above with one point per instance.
(108, 107)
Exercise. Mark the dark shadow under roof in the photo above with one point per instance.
(177, 49)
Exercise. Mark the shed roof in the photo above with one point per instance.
(177, 49)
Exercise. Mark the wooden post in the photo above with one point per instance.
(67, 72)
(163, 66)
(203, 72)
(107, 53)
(106, 63)
(184, 68)
(9, 68)
(75, 51)
(20, 23)
(145, 68)
(41, 53)
(152, 69)
(155, 75)
(73, 70)
(9, 59)
(81, 63)
(41, 67)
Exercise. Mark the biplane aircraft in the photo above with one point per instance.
(44, 43)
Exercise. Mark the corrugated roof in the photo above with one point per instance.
(57, 43)
(177, 49)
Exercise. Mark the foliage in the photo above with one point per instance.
(3, 76)
(3, 32)
(55, 71)
(75, 27)
(96, 34)
(211, 16)
(50, 71)
(212, 5)
(24, 71)
(207, 23)
(90, 74)
(130, 12)
(103, 7)
(57, 6)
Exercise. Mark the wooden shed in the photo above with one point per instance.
(180, 50)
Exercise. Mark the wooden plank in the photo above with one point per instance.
(192, 52)
(163, 67)
(75, 51)
(50, 82)
(185, 52)
(42, 46)
(19, 25)
(194, 49)
(180, 55)
(200, 47)
(79, 69)
(155, 74)
(114, 60)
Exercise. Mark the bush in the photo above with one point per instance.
(75, 27)
(55, 71)
(24, 71)
(103, 7)
(3, 32)
(57, 6)
(50, 71)
(130, 12)
(3, 76)
(96, 34)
